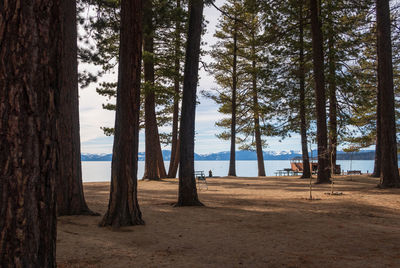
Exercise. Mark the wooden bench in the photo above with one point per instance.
(201, 180)
(353, 172)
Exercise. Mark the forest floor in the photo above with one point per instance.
(246, 222)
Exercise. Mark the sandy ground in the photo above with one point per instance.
(247, 222)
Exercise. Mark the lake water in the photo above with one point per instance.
(101, 171)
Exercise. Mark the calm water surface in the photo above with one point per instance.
(101, 171)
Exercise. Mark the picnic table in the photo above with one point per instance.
(287, 172)
(353, 172)
(201, 180)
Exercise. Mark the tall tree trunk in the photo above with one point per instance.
(318, 63)
(389, 172)
(332, 92)
(187, 184)
(173, 163)
(378, 149)
(151, 130)
(232, 159)
(70, 197)
(303, 122)
(123, 207)
(30, 53)
(256, 114)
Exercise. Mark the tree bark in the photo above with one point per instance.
(256, 115)
(389, 173)
(30, 53)
(332, 93)
(123, 206)
(173, 163)
(232, 159)
(187, 184)
(303, 122)
(152, 141)
(318, 64)
(378, 149)
(160, 158)
(70, 197)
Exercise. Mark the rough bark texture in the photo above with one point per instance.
(232, 159)
(318, 64)
(389, 172)
(154, 164)
(332, 93)
(123, 208)
(30, 47)
(187, 184)
(303, 122)
(174, 161)
(70, 198)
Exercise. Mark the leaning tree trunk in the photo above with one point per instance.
(187, 184)
(174, 162)
(70, 198)
(160, 158)
(318, 63)
(123, 207)
(332, 93)
(389, 172)
(30, 48)
(232, 159)
(303, 122)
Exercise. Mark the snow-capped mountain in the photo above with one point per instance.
(242, 155)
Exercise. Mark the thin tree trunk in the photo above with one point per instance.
(303, 123)
(318, 63)
(187, 184)
(30, 55)
(151, 131)
(123, 207)
(70, 197)
(378, 152)
(256, 114)
(173, 164)
(332, 93)
(389, 172)
(232, 159)
(160, 159)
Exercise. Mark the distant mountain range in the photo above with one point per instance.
(243, 156)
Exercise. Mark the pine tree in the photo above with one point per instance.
(389, 172)
(123, 207)
(227, 71)
(70, 197)
(318, 62)
(187, 184)
(154, 167)
(168, 43)
(291, 85)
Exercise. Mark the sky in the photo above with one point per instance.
(93, 116)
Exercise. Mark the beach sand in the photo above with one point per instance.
(246, 222)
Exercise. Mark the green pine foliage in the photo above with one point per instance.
(100, 43)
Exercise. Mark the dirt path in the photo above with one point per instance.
(247, 222)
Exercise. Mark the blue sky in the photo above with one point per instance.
(92, 116)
